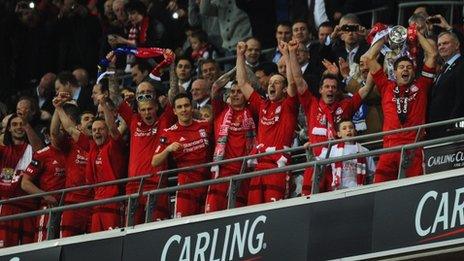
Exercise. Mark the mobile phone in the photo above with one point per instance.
(350, 27)
(434, 20)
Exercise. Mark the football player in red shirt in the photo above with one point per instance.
(322, 114)
(76, 145)
(234, 132)
(145, 127)
(404, 104)
(15, 155)
(188, 143)
(276, 128)
(106, 162)
(46, 172)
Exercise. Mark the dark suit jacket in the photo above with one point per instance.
(339, 50)
(317, 53)
(84, 101)
(446, 98)
(312, 79)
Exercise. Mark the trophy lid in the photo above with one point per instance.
(397, 34)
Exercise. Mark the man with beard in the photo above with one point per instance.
(106, 163)
(187, 142)
(234, 132)
(322, 114)
(404, 103)
(277, 123)
(15, 155)
(75, 144)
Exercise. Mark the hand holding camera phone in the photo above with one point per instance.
(350, 27)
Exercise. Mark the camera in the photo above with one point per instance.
(350, 27)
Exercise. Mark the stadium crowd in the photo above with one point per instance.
(95, 91)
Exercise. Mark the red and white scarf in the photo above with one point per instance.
(328, 111)
(337, 167)
(249, 126)
(138, 33)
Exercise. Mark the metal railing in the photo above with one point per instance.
(450, 12)
(132, 199)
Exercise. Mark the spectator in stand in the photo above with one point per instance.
(206, 113)
(253, 53)
(349, 173)
(46, 172)
(44, 92)
(15, 155)
(234, 132)
(83, 96)
(347, 40)
(107, 161)
(322, 114)
(234, 24)
(264, 72)
(283, 32)
(200, 47)
(200, 94)
(404, 103)
(310, 76)
(209, 70)
(318, 50)
(300, 32)
(374, 115)
(187, 142)
(75, 144)
(82, 77)
(312, 11)
(446, 99)
(144, 31)
(277, 123)
(183, 72)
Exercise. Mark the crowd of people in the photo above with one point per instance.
(139, 100)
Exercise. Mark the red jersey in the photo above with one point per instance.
(106, 163)
(322, 118)
(194, 139)
(416, 105)
(240, 130)
(76, 160)
(143, 141)
(48, 168)
(10, 178)
(277, 120)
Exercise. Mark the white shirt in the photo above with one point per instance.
(76, 93)
(351, 54)
(202, 103)
(303, 68)
(319, 13)
(453, 59)
(185, 85)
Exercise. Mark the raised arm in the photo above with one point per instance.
(32, 136)
(284, 49)
(55, 133)
(367, 88)
(110, 120)
(295, 69)
(242, 77)
(370, 57)
(430, 51)
(221, 82)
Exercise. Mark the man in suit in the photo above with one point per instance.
(446, 100)
(318, 51)
(44, 92)
(83, 96)
(347, 40)
(311, 77)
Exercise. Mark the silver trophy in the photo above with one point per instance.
(397, 37)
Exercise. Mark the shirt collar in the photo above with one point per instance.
(76, 93)
(303, 68)
(453, 59)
